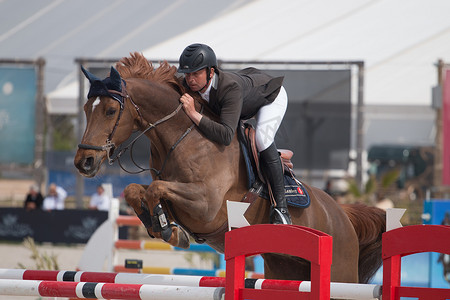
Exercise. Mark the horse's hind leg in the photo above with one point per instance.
(135, 196)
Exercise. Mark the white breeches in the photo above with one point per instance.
(268, 120)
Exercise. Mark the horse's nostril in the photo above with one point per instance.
(88, 163)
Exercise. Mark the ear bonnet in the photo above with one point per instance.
(104, 87)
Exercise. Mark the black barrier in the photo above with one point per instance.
(59, 226)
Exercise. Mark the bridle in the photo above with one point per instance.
(109, 145)
(119, 97)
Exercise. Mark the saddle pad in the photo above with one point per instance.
(295, 193)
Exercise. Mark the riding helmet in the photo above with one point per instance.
(196, 57)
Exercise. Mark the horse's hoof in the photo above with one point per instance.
(182, 237)
(166, 234)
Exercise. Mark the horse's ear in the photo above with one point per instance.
(91, 77)
(116, 80)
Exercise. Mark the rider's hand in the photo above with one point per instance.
(189, 108)
(188, 103)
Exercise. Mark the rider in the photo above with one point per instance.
(234, 96)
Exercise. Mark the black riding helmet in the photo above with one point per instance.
(196, 57)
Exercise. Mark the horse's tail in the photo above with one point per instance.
(369, 223)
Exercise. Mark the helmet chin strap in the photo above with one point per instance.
(208, 78)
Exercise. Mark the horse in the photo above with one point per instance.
(192, 177)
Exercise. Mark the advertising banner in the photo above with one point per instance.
(58, 226)
(17, 114)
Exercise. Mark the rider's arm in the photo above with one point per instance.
(189, 108)
(222, 131)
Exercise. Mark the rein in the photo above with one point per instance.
(110, 145)
(131, 144)
(158, 172)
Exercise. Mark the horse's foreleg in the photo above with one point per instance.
(191, 198)
(195, 199)
(135, 196)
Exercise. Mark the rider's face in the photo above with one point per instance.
(197, 80)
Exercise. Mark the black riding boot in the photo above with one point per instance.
(273, 169)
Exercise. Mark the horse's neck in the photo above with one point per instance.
(157, 105)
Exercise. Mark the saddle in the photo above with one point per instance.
(296, 194)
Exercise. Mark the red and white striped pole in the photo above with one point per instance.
(337, 290)
(15, 287)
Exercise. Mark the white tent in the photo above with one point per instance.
(63, 101)
(399, 41)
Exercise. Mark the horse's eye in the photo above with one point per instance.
(110, 112)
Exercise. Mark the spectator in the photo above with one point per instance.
(34, 199)
(55, 198)
(100, 200)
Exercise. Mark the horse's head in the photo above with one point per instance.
(104, 109)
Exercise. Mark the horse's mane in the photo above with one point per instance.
(137, 66)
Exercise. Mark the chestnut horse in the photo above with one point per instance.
(193, 176)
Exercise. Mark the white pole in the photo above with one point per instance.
(339, 290)
(113, 214)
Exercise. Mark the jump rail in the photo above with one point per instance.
(239, 244)
(104, 244)
(337, 290)
(179, 271)
(120, 220)
(161, 246)
(107, 290)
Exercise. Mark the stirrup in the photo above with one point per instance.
(280, 216)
